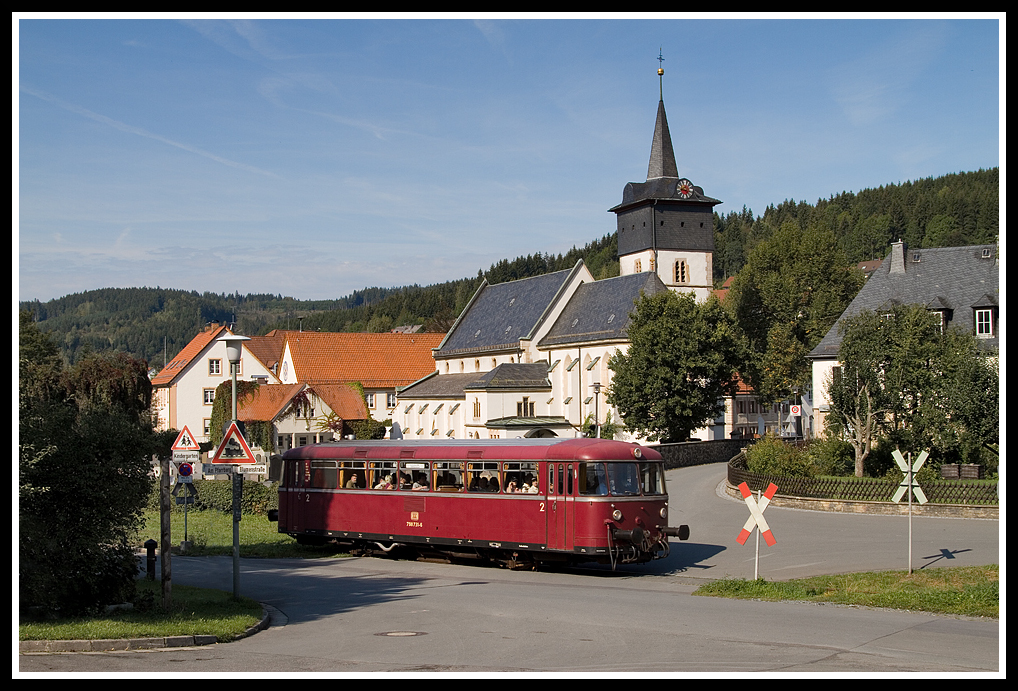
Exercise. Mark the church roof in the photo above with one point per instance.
(601, 310)
(662, 174)
(498, 316)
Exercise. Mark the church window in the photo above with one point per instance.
(477, 408)
(681, 271)
(526, 408)
(637, 267)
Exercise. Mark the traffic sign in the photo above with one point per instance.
(233, 449)
(909, 480)
(756, 518)
(185, 441)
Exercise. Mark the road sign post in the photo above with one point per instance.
(756, 520)
(909, 486)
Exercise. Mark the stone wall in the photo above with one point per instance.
(691, 453)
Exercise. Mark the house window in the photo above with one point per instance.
(390, 400)
(984, 323)
(370, 398)
(209, 396)
(215, 368)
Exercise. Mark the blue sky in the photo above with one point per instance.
(313, 157)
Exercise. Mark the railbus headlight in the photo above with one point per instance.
(664, 512)
(617, 515)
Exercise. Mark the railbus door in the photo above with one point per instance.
(299, 495)
(560, 506)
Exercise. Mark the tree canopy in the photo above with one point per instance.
(793, 289)
(904, 381)
(84, 444)
(681, 363)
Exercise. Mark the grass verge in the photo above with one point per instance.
(211, 534)
(967, 590)
(194, 611)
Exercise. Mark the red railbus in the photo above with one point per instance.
(518, 502)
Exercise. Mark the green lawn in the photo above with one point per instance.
(971, 591)
(194, 611)
(211, 534)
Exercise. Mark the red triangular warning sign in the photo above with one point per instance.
(185, 441)
(233, 448)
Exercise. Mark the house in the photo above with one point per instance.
(960, 284)
(379, 362)
(529, 358)
(301, 414)
(184, 390)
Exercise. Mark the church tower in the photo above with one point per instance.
(666, 224)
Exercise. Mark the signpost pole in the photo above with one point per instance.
(233, 351)
(910, 480)
(756, 562)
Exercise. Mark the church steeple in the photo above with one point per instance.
(662, 156)
(666, 224)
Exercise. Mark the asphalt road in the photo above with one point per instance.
(363, 616)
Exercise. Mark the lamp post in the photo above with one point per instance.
(234, 347)
(597, 418)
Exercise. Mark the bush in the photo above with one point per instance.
(772, 456)
(217, 495)
(830, 456)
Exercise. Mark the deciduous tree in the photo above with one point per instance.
(680, 365)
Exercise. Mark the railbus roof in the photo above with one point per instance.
(579, 449)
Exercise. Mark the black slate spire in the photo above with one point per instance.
(662, 156)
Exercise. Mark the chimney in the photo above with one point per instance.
(898, 250)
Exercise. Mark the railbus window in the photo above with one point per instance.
(593, 479)
(623, 479)
(653, 477)
(383, 475)
(520, 477)
(353, 474)
(482, 476)
(324, 474)
(448, 476)
(413, 475)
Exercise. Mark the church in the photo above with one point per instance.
(529, 358)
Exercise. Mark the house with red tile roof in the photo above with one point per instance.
(302, 414)
(184, 390)
(379, 362)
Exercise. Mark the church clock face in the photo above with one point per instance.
(684, 188)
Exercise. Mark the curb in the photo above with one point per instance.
(119, 644)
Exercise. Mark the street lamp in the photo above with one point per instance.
(596, 386)
(234, 348)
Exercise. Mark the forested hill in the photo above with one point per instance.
(947, 211)
(951, 210)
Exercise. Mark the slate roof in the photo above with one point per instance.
(376, 360)
(438, 386)
(954, 278)
(499, 315)
(527, 376)
(192, 350)
(601, 310)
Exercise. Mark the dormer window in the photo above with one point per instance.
(915, 257)
(984, 323)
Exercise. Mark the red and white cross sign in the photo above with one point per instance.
(756, 518)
